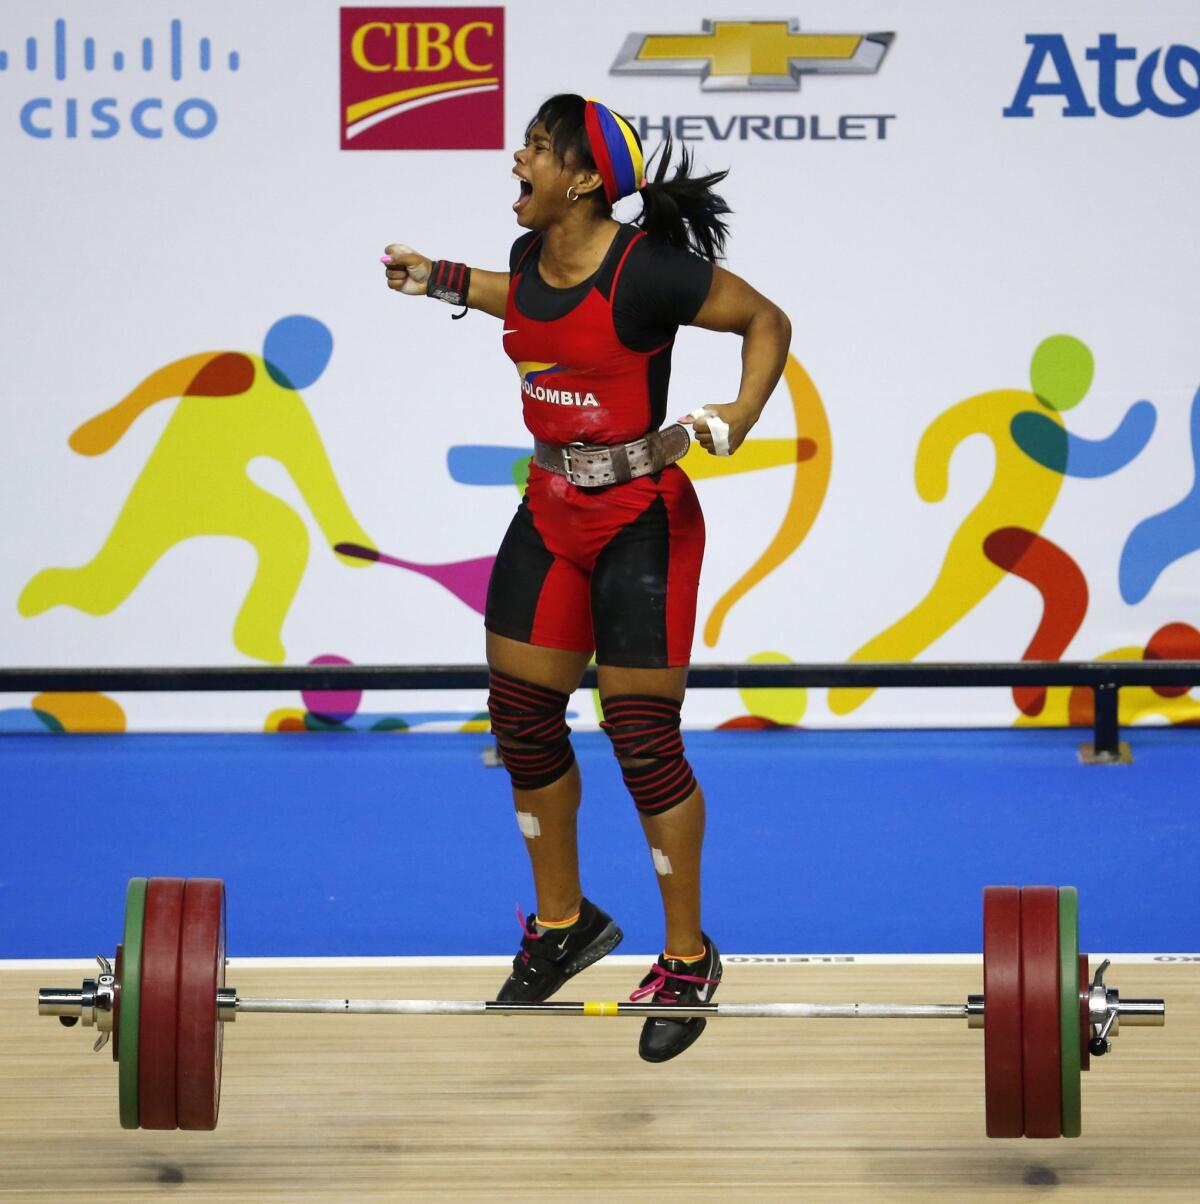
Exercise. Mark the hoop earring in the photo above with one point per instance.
(570, 190)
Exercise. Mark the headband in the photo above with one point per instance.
(615, 149)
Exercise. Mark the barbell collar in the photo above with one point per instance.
(92, 1004)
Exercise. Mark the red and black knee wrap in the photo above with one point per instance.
(645, 727)
(530, 725)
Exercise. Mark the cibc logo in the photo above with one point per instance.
(1165, 82)
(422, 78)
(101, 117)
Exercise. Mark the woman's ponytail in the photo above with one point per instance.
(684, 211)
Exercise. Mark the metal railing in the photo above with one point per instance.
(1104, 678)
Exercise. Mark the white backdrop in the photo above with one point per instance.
(921, 271)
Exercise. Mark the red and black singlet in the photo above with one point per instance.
(613, 569)
(595, 359)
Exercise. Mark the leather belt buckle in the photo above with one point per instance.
(595, 466)
(579, 476)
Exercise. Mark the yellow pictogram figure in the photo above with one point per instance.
(234, 408)
(1021, 494)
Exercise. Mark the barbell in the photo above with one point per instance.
(163, 1001)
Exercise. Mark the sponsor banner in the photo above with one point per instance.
(82, 79)
(227, 442)
(767, 57)
(422, 78)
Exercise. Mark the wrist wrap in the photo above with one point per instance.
(449, 282)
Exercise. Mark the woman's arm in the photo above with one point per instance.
(408, 272)
(734, 307)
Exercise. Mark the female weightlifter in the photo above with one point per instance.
(604, 551)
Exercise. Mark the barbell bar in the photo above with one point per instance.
(1046, 1017)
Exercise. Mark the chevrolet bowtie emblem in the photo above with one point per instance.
(751, 55)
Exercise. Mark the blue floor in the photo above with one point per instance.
(405, 844)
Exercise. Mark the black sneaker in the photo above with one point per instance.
(676, 982)
(548, 959)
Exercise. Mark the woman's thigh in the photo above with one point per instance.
(556, 668)
(659, 683)
(535, 597)
(644, 583)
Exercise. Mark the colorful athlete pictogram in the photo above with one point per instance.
(233, 408)
(1021, 494)
(1064, 591)
(1160, 541)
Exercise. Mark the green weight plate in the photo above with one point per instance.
(131, 997)
(1068, 978)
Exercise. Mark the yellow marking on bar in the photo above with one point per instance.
(601, 1009)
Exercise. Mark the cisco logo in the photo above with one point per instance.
(1165, 82)
(101, 117)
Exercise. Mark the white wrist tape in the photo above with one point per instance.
(717, 427)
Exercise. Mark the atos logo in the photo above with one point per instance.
(102, 117)
(1167, 83)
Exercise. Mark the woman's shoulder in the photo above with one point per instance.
(520, 248)
(656, 251)
(665, 269)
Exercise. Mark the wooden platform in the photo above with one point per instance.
(562, 1109)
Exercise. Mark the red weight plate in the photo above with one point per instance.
(1085, 1015)
(1042, 1043)
(1002, 1052)
(116, 1028)
(201, 975)
(157, 1024)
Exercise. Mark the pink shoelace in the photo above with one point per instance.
(658, 987)
(528, 934)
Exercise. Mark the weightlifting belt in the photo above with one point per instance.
(589, 465)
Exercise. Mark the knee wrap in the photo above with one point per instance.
(644, 727)
(530, 726)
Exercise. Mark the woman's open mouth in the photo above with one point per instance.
(523, 199)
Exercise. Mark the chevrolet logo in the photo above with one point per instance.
(751, 55)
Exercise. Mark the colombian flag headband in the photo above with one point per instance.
(615, 149)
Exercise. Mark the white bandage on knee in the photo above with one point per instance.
(717, 427)
(528, 824)
(662, 863)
